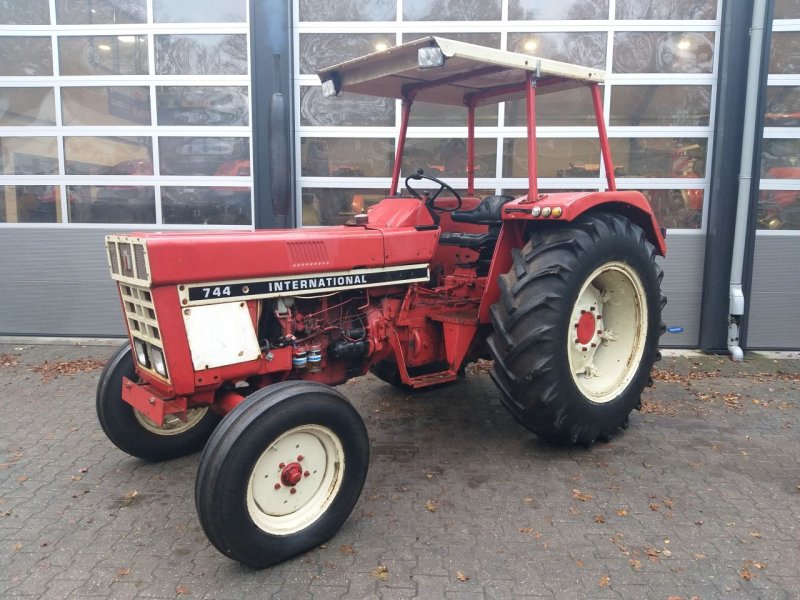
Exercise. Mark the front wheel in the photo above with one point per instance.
(577, 326)
(281, 473)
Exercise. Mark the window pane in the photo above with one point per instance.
(785, 53)
(667, 9)
(565, 108)
(105, 105)
(451, 10)
(787, 9)
(29, 12)
(201, 55)
(25, 56)
(223, 156)
(28, 156)
(103, 55)
(659, 157)
(108, 156)
(206, 205)
(352, 157)
(424, 114)
(111, 204)
(334, 206)
(448, 157)
(783, 106)
(779, 209)
(663, 52)
(348, 10)
(781, 159)
(318, 50)
(27, 106)
(110, 12)
(557, 157)
(30, 204)
(492, 40)
(199, 11)
(348, 109)
(677, 209)
(675, 105)
(587, 49)
(213, 105)
(565, 9)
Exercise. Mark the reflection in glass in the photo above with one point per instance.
(660, 157)
(660, 105)
(586, 49)
(206, 205)
(201, 54)
(199, 11)
(490, 40)
(30, 12)
(351, 157)
(27, 106)
(451, 10)
(677, 209)
(667, 9)
(779, 209)
(25, 56)
(107, 12)
(28, 156)
(123, 105)
(85, 155)
(557, 109)
(348, 10)
(787, 9)
(557, 157)
(444, 157)
(783, 106)
(424, 114)
(202, 105)
(30, 204)
(571, 10)
(345, 110)
(785, 53)
(334, 206)
(663, 52)
(221, 156)
(111, 204)
(781, 159)
(103, 55)
(318, 50)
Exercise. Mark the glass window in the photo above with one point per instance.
(28, 156)
(222, 156)
(25, 56)
(30, 204)
(491, 40)
(345, 110)
(111, 204)
(677, 209)
(587, 49)
(571, 10)
(201, 54)
(424, 114)
(785, 53)
(667, 9)
(783, 106)
(194, 205)
(86, 155)
(557, 157)
(334, 206)
(106, 12)
(348, 10)
(557, 109)
(199, 11)
(781, 159)
(663, 52)
(451, 10)
(123, 105)
(660, 105)
(203, 105)
(787, 9)
(443, 157)
(318, 50)
(27, 106)
(29, 12)
(103, 55)
(351, 157)
(779, 209)
(660, 157)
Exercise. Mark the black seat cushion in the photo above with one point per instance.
(488, 212)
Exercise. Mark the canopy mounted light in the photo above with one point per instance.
(430, 57)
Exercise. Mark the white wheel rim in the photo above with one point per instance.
(607, 332)
(173, 425)
(280, 501)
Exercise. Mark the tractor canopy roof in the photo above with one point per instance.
(443, 71)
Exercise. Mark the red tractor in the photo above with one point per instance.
(237, 337)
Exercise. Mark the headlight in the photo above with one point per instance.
(158, 361)
(141, 353)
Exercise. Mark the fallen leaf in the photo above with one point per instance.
(755, 534)
(605, 581)
(182, 589)
(578, 495)
(76, 478)
(347, 549)
(49, 370)
(652, 554)
(128, 498)
(528, 499)
(746, 575)
(526, 530)
(381, 572)
(622, 512)
(699, 556)
(599, 519)
(675, 598)
(121, 573)
(22, 478)
(666, 553)
(574, 511)
(17, 546)
(461, 576)
(431, 505)
(654, 506)
(8, 360)
(580, 563)
(636, 565)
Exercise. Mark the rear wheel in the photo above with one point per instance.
(577, 328)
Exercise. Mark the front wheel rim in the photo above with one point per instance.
(295, 480)
(173, 425)
(607, 332)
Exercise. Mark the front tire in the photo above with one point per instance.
(281, 473)
(577, 326)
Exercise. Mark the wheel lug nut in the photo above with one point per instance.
(577, 341)
(277, 486)
(584, 349)
(591, 308)
(306, 474)
(292, 491)
(594, 345)
(282, 465)
(599, 331)
(583, 312)
(599, 317)
(300, 457)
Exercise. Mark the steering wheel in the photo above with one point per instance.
(419, 175)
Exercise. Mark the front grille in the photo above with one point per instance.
(140, 314)
(127, 259)
(141, 262)
(113, 258)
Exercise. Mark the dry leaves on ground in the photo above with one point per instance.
(605, 581)
(50, 371)
(347, 549)
(381, 572)
(9, 360)
(599, 519)
(182, 589)
(431, 505)
(578, 495)
(461, 576)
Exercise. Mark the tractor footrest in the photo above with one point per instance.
(147, 401)
(422, 381)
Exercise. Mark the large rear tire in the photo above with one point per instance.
(577, 326)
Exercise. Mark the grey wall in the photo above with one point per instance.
(683, 285)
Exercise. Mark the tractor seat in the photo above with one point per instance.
(488, 212)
